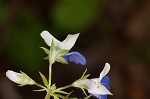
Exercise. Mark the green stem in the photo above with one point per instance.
(48, 95)
(50, 74)
(39, 85)
(65, 87)
(87, 97)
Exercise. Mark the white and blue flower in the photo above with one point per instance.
(67, 44)
(105, 82)
(97, 87)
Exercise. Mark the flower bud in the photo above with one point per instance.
(19, 78)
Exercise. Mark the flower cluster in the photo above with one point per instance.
(59, 52)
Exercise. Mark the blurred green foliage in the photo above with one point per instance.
(75, 15)
(3, 11)
(23, 47)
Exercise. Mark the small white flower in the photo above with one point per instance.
(67, 44)
(19, 78)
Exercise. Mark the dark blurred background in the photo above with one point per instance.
(114, 31)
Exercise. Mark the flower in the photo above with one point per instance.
(105, 83)
(98, 87)
(67, 44)
(19, 78)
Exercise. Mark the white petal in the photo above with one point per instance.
(104, 71)
(12, 76)
(87, 82)
(96, 80)
(70, 41)
(98, 89)
(48, 38)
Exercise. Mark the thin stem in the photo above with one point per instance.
(47, 95)
(50, 80)
(87, 97)
(39, 85)
(50, 74)
(65, 87)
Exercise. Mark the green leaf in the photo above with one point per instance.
(84, 77)
(84, 72)
(61, 60)
(53, 87)
(56, 96)
(85, 86)
(44, 79)
(45, 50)
(62, 52)
(52, 48)
(46, 58)
(59, 55)
(60, 96)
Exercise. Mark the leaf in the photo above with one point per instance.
(85, 86)
(84, 72)
(52, 48)
(46, 58)
(84, 77)
(44, 79)
(61, 60)
(56, 97)
(53, 87)
(62, 52)
(62, 97)
(45, 50)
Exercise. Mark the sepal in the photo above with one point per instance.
(44, 79)
(61, 60)
(45, 50)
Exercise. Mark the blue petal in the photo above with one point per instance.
(100, 96)
(75, 57)
(106, 81)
